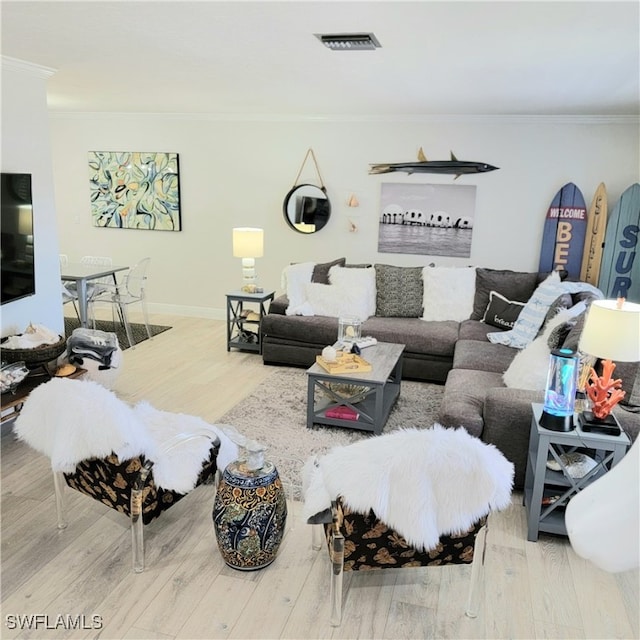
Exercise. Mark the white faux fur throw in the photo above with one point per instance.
(294, 279)
(424, 483)
(72, 420)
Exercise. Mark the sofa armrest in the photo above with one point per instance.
(507, 424)
(279, 305)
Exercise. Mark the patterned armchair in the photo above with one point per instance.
(362, 542)
(137, 460)
(129, 488)
(412, 498)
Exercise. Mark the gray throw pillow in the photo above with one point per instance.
(321, 271)
(513, 285)
(399, 291)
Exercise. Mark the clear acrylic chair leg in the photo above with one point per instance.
(145, 315)
(337, 573)
(477, 574)
(127, 326)
(137, 524)
(59, 485)
(317, 537)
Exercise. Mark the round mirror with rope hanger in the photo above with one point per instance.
(307, 207)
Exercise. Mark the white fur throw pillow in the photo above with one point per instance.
(294, 279)
(360, 287)
(528, 370)
(334, 301)
(448, 293)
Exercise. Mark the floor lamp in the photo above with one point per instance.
(248, 244)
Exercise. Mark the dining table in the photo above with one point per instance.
(82, 274)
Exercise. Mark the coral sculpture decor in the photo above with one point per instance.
(603, 391)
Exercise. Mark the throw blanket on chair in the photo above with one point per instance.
(73, 420)
(424, 483)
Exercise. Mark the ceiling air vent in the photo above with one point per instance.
(348, 41)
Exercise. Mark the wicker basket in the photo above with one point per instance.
(37, 355)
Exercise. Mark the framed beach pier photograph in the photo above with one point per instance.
(426, 219)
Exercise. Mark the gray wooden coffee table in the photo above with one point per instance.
(377, 390)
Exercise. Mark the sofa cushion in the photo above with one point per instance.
(448, 293)
(418, 336)
(483, 356)
(514, 285)
(474, 330)
(320, 330)
(501, 312)
(321, 270)
(399, 291)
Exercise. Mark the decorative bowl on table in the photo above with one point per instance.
(11, 375)
(354, 393)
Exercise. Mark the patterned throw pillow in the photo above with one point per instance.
(398, 291)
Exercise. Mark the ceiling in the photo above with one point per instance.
(261, 58)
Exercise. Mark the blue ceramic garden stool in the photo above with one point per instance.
(250, 514)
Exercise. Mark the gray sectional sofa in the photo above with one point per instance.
(455, 353)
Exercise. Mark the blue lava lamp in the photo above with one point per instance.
(560, 393)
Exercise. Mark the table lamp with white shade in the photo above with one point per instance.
(611, 332)
(248, 244)
(603, 520)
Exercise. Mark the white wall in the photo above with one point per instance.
(26, 148)
(237, 172)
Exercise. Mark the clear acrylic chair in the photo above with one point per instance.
(95, 288)
(69, 293)
(131, 291)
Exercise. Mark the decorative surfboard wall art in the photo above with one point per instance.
(620, 269)
(594, 239)
(564, 232)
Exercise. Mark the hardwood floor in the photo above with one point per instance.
(531, 590)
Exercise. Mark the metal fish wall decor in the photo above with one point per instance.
(453, 166)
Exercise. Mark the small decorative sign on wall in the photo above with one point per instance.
(135, 190)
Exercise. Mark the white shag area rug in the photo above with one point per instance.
(275, 415)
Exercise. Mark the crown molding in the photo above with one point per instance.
(22, 66)
(391, 119)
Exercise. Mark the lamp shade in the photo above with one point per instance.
(612, 331)
(248, 242)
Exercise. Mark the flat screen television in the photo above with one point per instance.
(17, 268)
